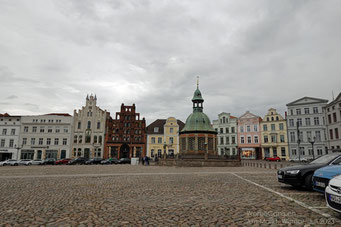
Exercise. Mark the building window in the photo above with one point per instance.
(319, 151)
(227, 140)
(329, 118)
(4, 131)
(281, 126)
(292, 137)
(79, 125)
(242, 139)
(316, 121)
(274, 151)
(65, 141)
(274, 139)
(291, 122)
(291, 112)
(152, 152)
(66, 130)
(298, 111)
(56, 141)
(2, 143)
(221, 140)
(306, 110)
(307, 121)
(100, 139)
(24, 141)
(159, 140)
(159, 153)
(265, 127)
(233, 140)
(171, 130)
(249, 139)
(331, 134)
(248, 128)
(42, 129)
(273, 127)
(89, 124)
(256, 139)
(227, 130)
(171, 140)
(11, 143)
(34, 129)
(293, 151)
(12, 131)
(80, 139)
(281, 137)
(232, 130)
(48, 141)
(318, 135)
(41, 141)
(299, 121)
(221, 130)
(33, 141)
(283, 151)
(241, 129)
(98, 125)
(334, 117)
(95, 139)
(49, 130)
(153, 140)
(302, 151)
(25, 129)
(156, 129)
(266, 139)
(315, 110)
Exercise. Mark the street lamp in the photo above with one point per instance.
(298, 141)
(164, 150)
(312, 144)
(18, 148)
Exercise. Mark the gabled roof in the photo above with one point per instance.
(159, 123)
(307, 100)
(248, 114)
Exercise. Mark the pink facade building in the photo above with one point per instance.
(249, 136)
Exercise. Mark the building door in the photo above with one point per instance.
(266, 152)
(39, 152)
(63, 154)
(124, 151)
(86, 153)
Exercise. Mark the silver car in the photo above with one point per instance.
(11, 162)
(26, 162)
(4, 163)
(37, 162)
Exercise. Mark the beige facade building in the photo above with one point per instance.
(274, 135)
(163, 137)
(89, 130)
(333, 116)
(45, 136)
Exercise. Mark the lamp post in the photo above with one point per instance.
(312, 145)
(298, 141)
(18, 148)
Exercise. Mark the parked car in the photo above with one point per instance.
(298, 160)
(301, 175)
(79, 160)
(4, 163)
(274, 159)
(333, 194)
(124, 161)
(94, 161)
(49, 161)
(26, 162)
(37, 162)
(10, 162)
(323, 175)
(109, 161)
(63, 161)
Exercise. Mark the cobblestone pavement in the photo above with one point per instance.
(155, 196)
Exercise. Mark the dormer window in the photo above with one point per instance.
(156, 129)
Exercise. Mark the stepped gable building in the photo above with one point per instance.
(198, 136)
(333, 114)
(163, 137)
(249, 134)
(126, 134)
(89, 126)
(306, 122)
(226, 126)
(45, 136)
(274, 135)
(9, 136)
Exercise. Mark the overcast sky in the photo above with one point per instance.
(250, 55)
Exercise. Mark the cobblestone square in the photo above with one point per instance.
(123, 195)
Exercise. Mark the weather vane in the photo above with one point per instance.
(197, 81)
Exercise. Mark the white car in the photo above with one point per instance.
(26, 162)
(333, 194)
(10, 162)
(37, 162)
(4, 163)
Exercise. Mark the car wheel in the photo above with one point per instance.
(308, 182)
(15, 164)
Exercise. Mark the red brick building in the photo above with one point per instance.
(126, 134)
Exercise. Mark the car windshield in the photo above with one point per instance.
(325, 159)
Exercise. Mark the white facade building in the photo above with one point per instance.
(226, 126)
(333, 117)
(9, 136)
(89, 130)
(309, 114)
(45, 136)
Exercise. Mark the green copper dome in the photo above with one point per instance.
(198, 121)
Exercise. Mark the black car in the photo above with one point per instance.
(301, 175)
(124, 161)
(93, 161)
(79, 160)
(109, 161)
(49, 161)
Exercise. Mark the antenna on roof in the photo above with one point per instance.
(333, 94)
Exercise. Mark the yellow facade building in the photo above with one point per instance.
(274, 135)
(163, 137)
